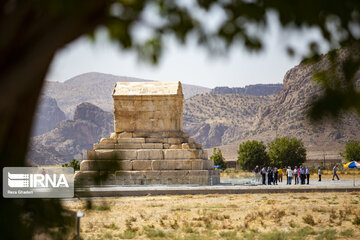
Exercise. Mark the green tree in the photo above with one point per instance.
(218, 159)
(74, 164)
(287, 151)
(352, 151)
(252, 153)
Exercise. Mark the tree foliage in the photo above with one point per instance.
(287, 151)
(74, 164)
(218, 159)
(352, 151)
(252, 153)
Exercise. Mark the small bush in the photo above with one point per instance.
(329, 234)
(356, 221)
(347, 233)
(308, 219)
(127, 235)
(74, 164)
(218, 159)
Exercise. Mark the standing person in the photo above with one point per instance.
(319, 173)
(296, 180)
(256, 171)
(275, 175)
(285, 171)
(280, 174)
(263, 174)
(334, 173)
(307, 172)
(302, 175)
(289, 174)
(269, 175)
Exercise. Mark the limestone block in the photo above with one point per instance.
(183, 165)
(198, 145)
(141, 165)
(173, 154)
(197, 164)
(113, 135)
(131, 140)
(186, 135)
(152, 146)
(98, 165)
(105, 154)
(126, 154)
(163, 164)
(153, 154)
(107, 140)
(192, 140)
(125, 135)
(174, 140)
(91, 155)
(185, 146)
(104, 146)
(183, 154)
(128, 145)
(152, 174)
(166, 146)
(175, 147)
(155, 140)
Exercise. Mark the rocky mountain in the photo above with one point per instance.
(216, 119)
(256, 89)
(286, 116)
(96, 88)
(70, 138)
(47, 115)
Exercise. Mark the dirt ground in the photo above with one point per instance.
(251, 216)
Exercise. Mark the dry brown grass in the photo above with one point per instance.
(253, 216)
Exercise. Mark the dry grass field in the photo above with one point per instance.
(252, 216)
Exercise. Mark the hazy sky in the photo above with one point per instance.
(189, 64)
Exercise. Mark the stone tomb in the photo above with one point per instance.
(148, 145)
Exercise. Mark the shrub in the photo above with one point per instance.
(218, 158)
(287, 151)
(352, 151)
(74, 164)
(309, 220)
(252, 153)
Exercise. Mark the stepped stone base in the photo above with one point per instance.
(144, 157)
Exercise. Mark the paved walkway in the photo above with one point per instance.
(228, 186)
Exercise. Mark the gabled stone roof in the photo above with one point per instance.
(147, 89)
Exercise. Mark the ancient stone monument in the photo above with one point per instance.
(148, 145)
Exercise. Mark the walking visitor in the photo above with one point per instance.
(280, 174)
(296, 179)
(335, 173)
(319, 173)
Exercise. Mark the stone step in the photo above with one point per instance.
(129, 146)
(189, 164)
(145, 154)
(165, 177)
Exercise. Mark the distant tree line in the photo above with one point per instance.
(282, 152)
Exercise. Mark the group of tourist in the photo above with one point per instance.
(300, 175)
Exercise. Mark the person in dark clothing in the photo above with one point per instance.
(275, 176)
(263, 174)
(269, 174)
(307, 172)
(319, 173)
(296, 179)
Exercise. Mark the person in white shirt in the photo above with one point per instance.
(289, 174)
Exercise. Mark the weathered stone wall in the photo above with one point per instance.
(148, 113)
